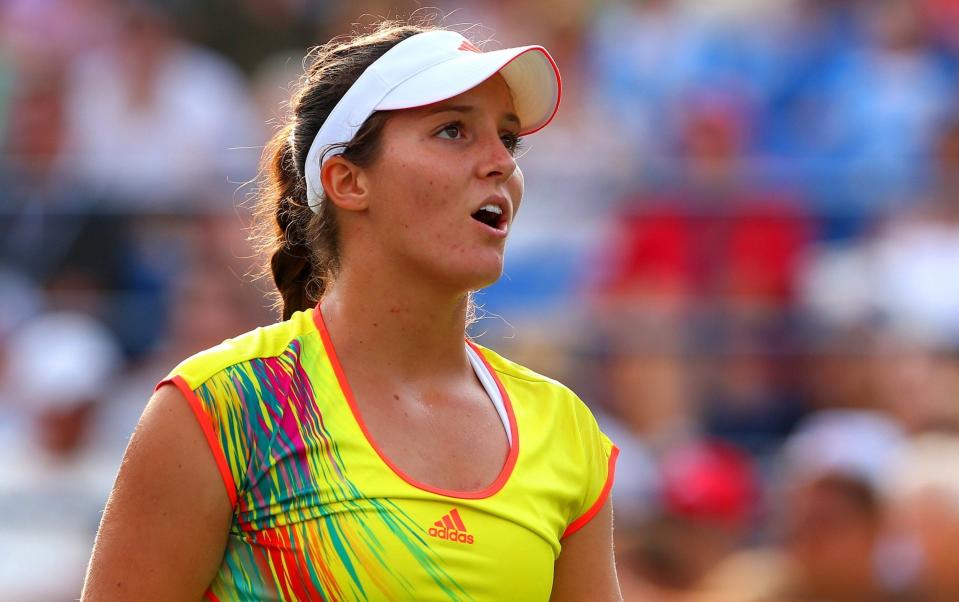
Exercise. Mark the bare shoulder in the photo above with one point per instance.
(586, 568)
(166, 523)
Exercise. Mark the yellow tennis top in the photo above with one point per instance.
(320, 513)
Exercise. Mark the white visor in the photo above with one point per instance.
(427, 68)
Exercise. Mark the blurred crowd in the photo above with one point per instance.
(739, 244)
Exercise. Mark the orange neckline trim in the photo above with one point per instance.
(486, 492)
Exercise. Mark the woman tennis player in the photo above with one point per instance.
(364, 448)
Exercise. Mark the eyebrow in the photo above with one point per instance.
(441, 108)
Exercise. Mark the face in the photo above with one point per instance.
(832, 540)
(444, 187)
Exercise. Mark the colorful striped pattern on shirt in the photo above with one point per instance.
(322, 514)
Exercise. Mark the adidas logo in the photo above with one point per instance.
(451, 528)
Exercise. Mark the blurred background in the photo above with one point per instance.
(739, 244)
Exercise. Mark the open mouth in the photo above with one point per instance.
(491, 215)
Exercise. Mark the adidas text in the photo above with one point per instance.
(451, 535)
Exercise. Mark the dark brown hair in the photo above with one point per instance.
(303, 246)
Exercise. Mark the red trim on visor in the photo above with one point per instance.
(559, 86)
(540, 49)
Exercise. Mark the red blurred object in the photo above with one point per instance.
(710, 481)
(751, 249)
(942, 17)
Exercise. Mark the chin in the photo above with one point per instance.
(469, 270)
(481, 283)
(479, 277)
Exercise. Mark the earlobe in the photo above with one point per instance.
(343, 184)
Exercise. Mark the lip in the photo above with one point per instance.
(502, 227)
(499, 232)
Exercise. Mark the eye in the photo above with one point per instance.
(451, 131)
(512, 142)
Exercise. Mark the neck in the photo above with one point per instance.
(408, 333)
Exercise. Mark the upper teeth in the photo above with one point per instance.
(492, 208)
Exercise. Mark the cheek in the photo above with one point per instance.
(515, 187)
(420, 204)
(410, 184)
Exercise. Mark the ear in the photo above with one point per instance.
(344, 183)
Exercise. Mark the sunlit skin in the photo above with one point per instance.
(436, 166)
(410, 253)
(396, 312)
(410, 248)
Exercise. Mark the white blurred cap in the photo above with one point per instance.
(861, 444)
(60, 359)
(930, 464)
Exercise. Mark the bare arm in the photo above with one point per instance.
(166, 523)
(586, 569)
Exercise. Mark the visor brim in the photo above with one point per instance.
(529, 71)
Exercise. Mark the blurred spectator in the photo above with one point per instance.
(712, 238)
(648, 381)
(860, 444)
(207, 305)
(810, 43)
(20, 299)
(916, 381)
(917, 285)
(155, 122)
(709, 496)
(926, 493)
(833, 529)
(833, 536)
(247, 31)
(941, 17)
(750, 394)
(753, 206)
(49, 229)
(888, 101)
(35, 138)
(629, 44)
(58, 464)
(50, 31)
(719, 257)
(829, 513)
(834, 471)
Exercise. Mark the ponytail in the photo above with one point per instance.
(303, 246)
(291, 262)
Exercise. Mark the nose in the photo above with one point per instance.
(497, 163)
